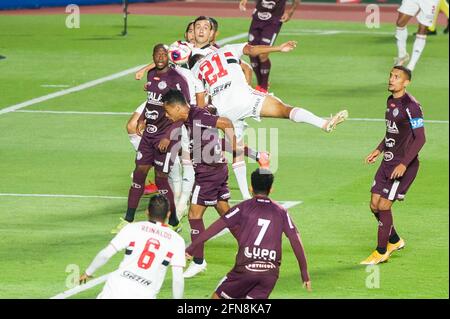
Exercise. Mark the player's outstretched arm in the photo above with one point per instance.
(141, 72)
(372, 157)
(177, 282)
(227, 127)
(102, 258)
(255, 50)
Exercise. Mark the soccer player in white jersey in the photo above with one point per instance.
(424, 11)
(150, 248)
(236, 100)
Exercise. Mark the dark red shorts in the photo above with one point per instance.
(149, 154)
(263, 32)
(211, 185)
(394, 189)
(246, 286)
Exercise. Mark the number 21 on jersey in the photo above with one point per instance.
(213, 71)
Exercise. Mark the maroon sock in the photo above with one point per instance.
(254, 61)
(265, 71)
(197, 227)
(384, 229)
(136, 189)
(164, 188)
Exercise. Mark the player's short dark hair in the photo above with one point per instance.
(189, 25)
(159, 46)
(201, 18)
(158, 207)
(174, 97)
(262, 180)
(405, 70)
(215, 24)
(194, 59)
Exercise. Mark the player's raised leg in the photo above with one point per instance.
(198, 263)
(419, 46)
(274, 107)
(401, 34)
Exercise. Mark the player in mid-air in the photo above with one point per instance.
(150, 247)
(155, 149)
(233, 98)
(267, 19)
(211, 170)
(261, 223)
(405, 136)
(425, 11)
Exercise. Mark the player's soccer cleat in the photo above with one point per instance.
(401, 60)
(340, 117)
(150, 189)
(375, 258)
(394, 247)
(194, 269)
(119, 227)
(264, 160)
(261, 89)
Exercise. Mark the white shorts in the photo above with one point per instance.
(248, 105)
(141, 107)
(424, 10)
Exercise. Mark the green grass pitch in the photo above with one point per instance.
(90, 155)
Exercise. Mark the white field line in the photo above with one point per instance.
(333, 32)
(90, 84)
(128, 113)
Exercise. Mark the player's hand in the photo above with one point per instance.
(399, 171)
(83, 278)
(139, 74)
(242, 5)
(288, 46)
(372, 157)
(307, 286)
(286, 16)
(140, 127)
(163, 144)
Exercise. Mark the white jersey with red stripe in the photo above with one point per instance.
(225, 82)
(150, 249)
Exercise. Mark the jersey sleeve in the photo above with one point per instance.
(415, 116)
(204, 119)
(123, 238)
(178, 258)
(289, 227)
(236, 49)
(183, 86)
(233, 217)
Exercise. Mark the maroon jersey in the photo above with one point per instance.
(269, 9)
(205, 143)
(263, 222)
(158, 125)
(403, 118)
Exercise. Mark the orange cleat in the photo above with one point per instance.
(150, 189)
(261, 89)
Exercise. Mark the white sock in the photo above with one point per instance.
(240, 171)
(186, 187)
(135, 140)
(175, 179)
(301, 115)
(418, 47)
(401, 34)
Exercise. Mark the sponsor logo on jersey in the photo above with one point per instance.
(395, 112)
(391, 127)
(151, 129)
(389, 142)
(162, 85)
(392, 105)
(264, 15)
(154, 98)
(152, 115)
(260, 253)
(416, 122)
(132, 276)
(220, 88)
(268, 4)
(260, 266)
(388, 156)
(139, 155)
(385, 190)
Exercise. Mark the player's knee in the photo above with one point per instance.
(423, 30)
(384, 205)
(374, 207)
